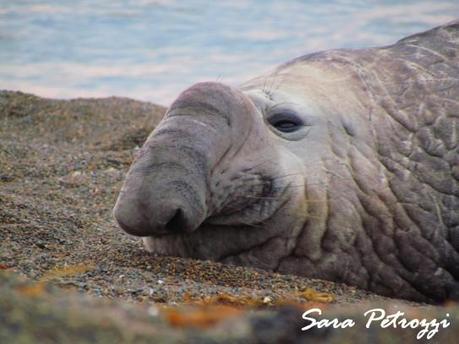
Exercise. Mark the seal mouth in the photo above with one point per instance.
(222, 233)
(252, 205)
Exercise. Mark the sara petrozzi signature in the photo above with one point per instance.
(378, 317)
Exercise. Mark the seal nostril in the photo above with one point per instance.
(177, 223)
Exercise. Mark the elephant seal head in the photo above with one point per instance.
(220, 178)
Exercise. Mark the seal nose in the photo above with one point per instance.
(142, 218)
(167, 187)
(177, 222)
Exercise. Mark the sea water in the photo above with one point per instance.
(153, 49)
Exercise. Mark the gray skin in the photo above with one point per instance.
(341, 165)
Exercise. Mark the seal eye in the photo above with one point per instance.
(285, 122)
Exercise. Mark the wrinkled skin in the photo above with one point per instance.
(365, 190)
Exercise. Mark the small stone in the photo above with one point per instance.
(267, 300)
(41, 244)
(6, 178)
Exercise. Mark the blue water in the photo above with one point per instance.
(151, 50)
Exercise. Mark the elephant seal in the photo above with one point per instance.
(341, 165)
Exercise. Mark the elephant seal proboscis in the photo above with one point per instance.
(340, 165)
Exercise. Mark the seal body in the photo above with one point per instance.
(341, 165)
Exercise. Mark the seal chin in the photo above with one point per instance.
(165, 245)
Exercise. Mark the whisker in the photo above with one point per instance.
(290, 185)
(255, 166)
(287, 175)
(277, 105)
(258, 225)
(279, 177)
(278, 197)
(261, 197)
(275, 78)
